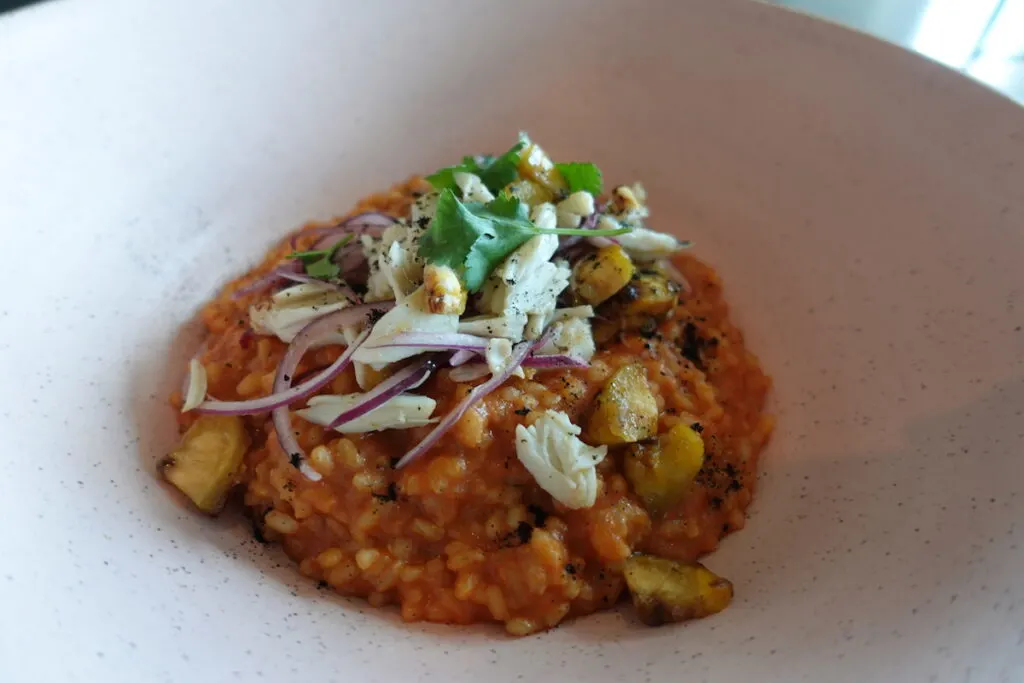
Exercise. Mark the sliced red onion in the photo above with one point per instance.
(370, 222)
(554, 360)
(433, 341)
(567, 242)
(369, 219)
(339, 287)
(265, 281)
(281, 416)
(327, 326)
(519, 352)
(408, 377)
(352, 261)
(571, 243)
(461, 357)
(590, 222)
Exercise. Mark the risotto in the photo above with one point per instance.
(491, 394)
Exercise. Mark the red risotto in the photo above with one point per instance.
(490, 394)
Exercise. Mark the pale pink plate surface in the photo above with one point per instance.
(865, 207)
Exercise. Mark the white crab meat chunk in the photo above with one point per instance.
(291, 309)
(395, 266)
(570, 337)
(562, 465)
(400, 412)
(422, 211)
(473, 189)
(560, 314)
(409, 315)
(527, 282)
(544, 216)
(509, 326)
(645, 245)
(498, 355)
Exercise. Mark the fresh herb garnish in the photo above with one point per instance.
(495, 172)
(319, 263)
(581, 177)
(472, 239)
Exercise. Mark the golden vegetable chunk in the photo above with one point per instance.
(664, 591)
(530, 193)
(444, 292)
(648, 293)
(205, 463)
(600, 275)
(536, 165)
(625, 410)
(662, 471)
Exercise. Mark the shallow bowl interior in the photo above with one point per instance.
(863, 205)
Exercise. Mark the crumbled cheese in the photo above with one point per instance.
(527, 282)
(287, 312)
(401, 412)
(562, 465)
(473, 189)
(196, 385)
(570, 337)
(408, 315)
(574, 208)
(497, 356)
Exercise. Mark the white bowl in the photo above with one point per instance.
(864, 206)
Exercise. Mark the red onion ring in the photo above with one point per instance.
(408, 377)
(264, 281)
(339, 287)
(312, 333)
(519, 353)
(554, 360)
(281, 416)
(369, 222)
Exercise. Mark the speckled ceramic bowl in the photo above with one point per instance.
(866, 208)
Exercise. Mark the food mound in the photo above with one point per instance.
(491, 394)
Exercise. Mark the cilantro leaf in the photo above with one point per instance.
(319, 263)
(581, 176)
(498, 172)
(495, 172)
(323, 269)
(472, 239)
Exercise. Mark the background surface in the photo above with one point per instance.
(976, 37)
(972, 36)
